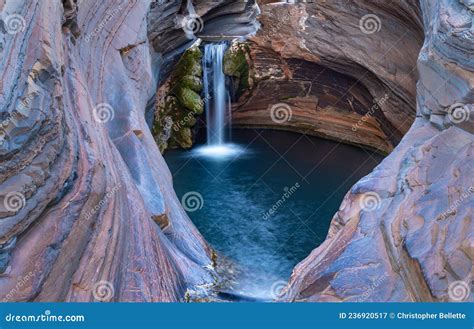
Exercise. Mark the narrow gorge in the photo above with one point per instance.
(237, 151)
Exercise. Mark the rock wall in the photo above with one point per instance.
(175, 24)
(179, 102)
(336, 70)
(305, 97)
(405, 232)
(173, 28)
(87, 208)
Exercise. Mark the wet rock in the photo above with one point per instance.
(179, 103)
(236, 65)
(211, 20)
(313, 99)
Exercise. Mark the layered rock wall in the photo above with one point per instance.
(87, 208)
(344, 71)
(405, 232)
(173, 29)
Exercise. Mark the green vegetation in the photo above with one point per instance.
(236, 65)
(176, 114)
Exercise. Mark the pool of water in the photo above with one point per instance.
(267, 206)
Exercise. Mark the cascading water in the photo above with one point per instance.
(217, 103)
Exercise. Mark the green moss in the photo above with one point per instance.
(192, 82)
(182, 103)
(184, 120)
(236, 65)
(190, 63)
(190, 99)
(183, 138)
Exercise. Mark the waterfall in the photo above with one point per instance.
(217, 103)
(215, 93)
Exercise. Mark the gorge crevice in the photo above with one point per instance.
(87, 200)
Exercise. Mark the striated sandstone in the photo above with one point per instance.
(313, 47)
(94, 201)
(89, 179)
(405, 232)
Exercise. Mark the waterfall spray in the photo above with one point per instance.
(217, 103)
(215, 93)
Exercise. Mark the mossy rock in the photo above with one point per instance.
(171, 105)
(162, 146)
(182, 138)
(182, 103)
(235, 62)
(191, 82)
(191, 100)
(237, 66)
(190, 63)
(162, 130)
(184, 120)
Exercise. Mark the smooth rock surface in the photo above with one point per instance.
(88, 178)
(373, 104)
(405, 232)
(87, 207)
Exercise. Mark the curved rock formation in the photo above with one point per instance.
(87, 207)
(405, 232)
(173, 29)
(82, 180)
(343, 72)
(174, 25)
